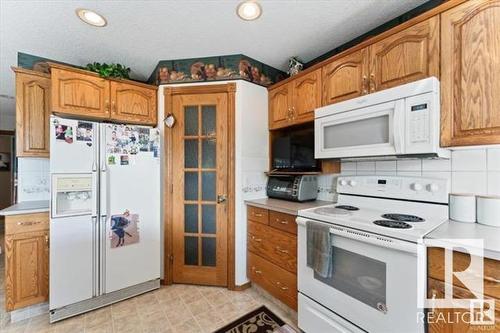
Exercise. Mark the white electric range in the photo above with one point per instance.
(377, 225)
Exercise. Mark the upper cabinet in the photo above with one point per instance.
(32, 113)
(470, 74)
(77, 93)
(306, 96)
(130, 103)
(409, 55)
(294, 103)
(80, 93)
(346, 77)
(279, 106)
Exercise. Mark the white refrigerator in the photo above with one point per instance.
(104, 214)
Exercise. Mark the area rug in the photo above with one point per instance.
(261, 320)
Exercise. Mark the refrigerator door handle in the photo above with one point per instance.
(102, 256)
(95, 268)
(95, 191)
(103, 191)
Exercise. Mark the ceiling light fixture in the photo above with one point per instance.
(249, 10)
(90, 17)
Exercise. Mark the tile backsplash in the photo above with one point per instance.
(468, 171)
(33, 179)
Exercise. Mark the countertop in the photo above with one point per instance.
(455, 231)
(283, 206)
(26, 207)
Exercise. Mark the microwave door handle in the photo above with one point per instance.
(398, 126)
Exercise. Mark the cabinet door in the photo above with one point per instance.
(346, 77)
(306, 96)
(32, 115)
(279, 106)
(27, 269)
(133, 104)
(455, 320)
(80, 94)
(470, 74)
(406, 56)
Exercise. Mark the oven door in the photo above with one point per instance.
(368, 131)
(374, 281)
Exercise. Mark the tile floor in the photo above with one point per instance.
(177, 308)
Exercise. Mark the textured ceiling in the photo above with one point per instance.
(139, 33)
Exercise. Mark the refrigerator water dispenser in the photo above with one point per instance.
(71, 195)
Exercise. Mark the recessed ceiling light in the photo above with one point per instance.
(90, 17)
(249, 10)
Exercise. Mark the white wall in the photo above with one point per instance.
(470, 170)
(252, 160)
(33, 179)
(251, 152)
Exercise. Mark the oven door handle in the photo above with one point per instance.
(365, 237)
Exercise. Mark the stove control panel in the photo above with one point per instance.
(397, 187)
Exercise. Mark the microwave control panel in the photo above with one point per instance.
(419, 122)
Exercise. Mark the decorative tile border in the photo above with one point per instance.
(217, 68)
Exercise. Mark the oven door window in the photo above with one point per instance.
(360, 277)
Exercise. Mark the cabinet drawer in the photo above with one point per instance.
(273, 245)
(282, 221)
(459, 317)
(461, 261)
(278, 282)
(257, 214)
(16, 224)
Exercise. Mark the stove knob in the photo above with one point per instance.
(352, 183)
(342, 182)
(416, 187)
(432, 188)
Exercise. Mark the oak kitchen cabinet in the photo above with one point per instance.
(130, 103)
(32, 113)
(346, 77)
(294, 102)
(272, 253)
(470, 74)
(77, 92)
(452, 320)
(26, 260)
(409, 55)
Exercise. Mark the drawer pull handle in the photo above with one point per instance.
(491, 279)
(256, 271)
(256, 239)
(257, 214)
(281, 287)
(282, 221)
(280, 250)
(28, 223)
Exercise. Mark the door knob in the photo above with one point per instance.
(221, 198)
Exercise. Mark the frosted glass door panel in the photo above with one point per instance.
(357, 133)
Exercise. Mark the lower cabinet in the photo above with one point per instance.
(458, 320)
(272, 253)
(277, 281)
(26, 260)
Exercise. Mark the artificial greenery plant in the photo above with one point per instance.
(109, 70)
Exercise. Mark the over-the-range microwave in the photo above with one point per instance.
(400, 122)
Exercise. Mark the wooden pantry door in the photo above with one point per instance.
(200, 188)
